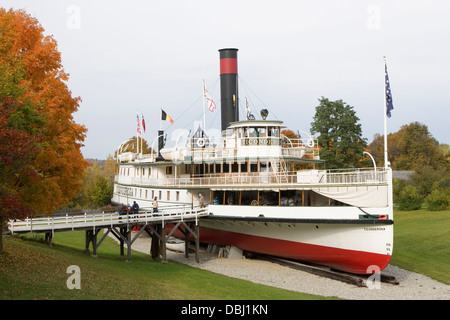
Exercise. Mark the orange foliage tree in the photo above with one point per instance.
(34, 76)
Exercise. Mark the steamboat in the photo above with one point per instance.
(264, 192)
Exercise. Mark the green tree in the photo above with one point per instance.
(409, 199)
(438, 199)
(100, 192)
(340, 139)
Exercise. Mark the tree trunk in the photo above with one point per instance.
(1, 234)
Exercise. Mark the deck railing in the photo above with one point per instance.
(299, 178)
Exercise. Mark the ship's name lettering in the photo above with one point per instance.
(260, 142)
(375, 229)
(125, 191)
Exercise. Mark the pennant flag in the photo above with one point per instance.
(211, 104)
(138, 124)
(389, 105)
(165, 116)
(143, 122)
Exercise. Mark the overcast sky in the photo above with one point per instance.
(129, 56)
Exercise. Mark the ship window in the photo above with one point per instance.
(253, 132)
(169, 170)
(226, 168)
(254, 167)
(160, 195)
(153, 194)
(168, 195)
(276, 132)
(178, 195)
(263, 166)
(235, 167)
(245, 134)
(146, 194)
(262, 132)
(244, 167)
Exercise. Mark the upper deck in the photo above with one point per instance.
(249, 139)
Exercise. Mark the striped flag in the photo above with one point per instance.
(138, 124)
(143, 122)
(165, 117)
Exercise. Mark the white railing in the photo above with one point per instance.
(300, 178)
(298, 148)
(356, 176)
(78, 221)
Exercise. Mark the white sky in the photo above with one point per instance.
(129, 56)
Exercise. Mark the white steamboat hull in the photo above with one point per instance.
(354, 245)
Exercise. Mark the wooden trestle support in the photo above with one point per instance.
(157, 232)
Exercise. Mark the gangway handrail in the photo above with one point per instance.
(54, 223)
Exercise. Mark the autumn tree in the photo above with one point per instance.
(340, 139)
(98, 186)
(411, 148)
(131, 145)
(37, 109)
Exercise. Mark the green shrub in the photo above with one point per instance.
(438, 200)
(409, 198)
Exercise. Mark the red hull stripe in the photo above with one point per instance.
(228, 65)
(352, 261)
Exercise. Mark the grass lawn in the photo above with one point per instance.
(29, 269)
(422, 243)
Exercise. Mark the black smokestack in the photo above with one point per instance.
(229, 87)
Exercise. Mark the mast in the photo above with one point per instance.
(204, 113)
(386, 162)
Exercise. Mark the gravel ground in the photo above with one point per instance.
(413, 286)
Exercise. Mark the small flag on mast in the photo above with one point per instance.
(138, 124)
(211, 104)
(143, 122)
(389, 104)
(165, 117)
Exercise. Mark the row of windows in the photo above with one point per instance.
(137, 171)
(151, 194)
(225, 167)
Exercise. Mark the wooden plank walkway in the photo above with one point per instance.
(182, 218)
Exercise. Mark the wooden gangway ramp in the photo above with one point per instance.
(159, 225)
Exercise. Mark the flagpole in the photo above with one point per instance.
(385, 119)
(142, 134)
(204, 114)
(137, 133)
